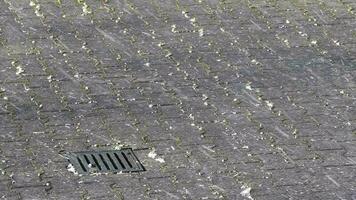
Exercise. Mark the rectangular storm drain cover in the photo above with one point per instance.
(86, 162)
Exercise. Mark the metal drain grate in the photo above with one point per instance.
(124, 160)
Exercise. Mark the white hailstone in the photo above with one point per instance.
(201, 32)
(193, 20)
(174, 28)
(246, 192)
(313, 42)
(19, 70)
(152, 154)
(32, 3)
(336, 42)
(248, 86)
(270, 105)
(71, 168)
(86, 9)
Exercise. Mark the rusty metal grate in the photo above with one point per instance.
(124, 160)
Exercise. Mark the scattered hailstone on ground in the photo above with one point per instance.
(86, 9)
(270, 105)
(302, 34)
(161, 160)
(286, 41)
(32, 3)
(119, 146)
(246, 192)
(201, 32)
(169, 54)
(161, 44)
(248, 86)
(185, 13)
(313, 42)
(49, 78)
(205, 97)
(37, 11)
(19, 70)
(336, 42)
(71, 168)
(174, 28)
(254, 61)
(152, 154)
(191, 116)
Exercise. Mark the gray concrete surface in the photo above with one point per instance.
(219, 99)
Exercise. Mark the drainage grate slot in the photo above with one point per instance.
(103, 160)
(127, 160)
(119, 160)
(86, 159)
(96, 162)
(81, 164)
(123, 160)
(111, 161)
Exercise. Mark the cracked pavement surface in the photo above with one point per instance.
(219, 99)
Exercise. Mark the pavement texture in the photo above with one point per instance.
(218, 99)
